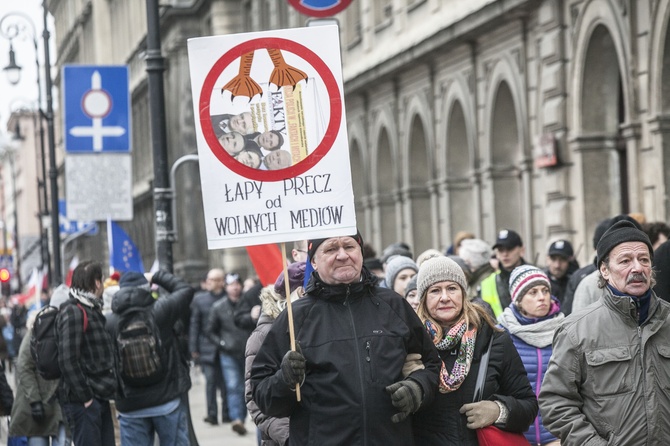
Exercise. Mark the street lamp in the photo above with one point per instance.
(14, 25)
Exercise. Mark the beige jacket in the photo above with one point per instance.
(608, 381)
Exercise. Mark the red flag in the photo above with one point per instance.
(73, 264)
(268, 262)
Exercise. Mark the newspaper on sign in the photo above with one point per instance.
(272, 143)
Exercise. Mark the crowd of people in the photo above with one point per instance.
(435, 349)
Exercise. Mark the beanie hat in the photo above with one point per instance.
(296, 275)
(313, 245)
(396, 265)
(132, 278)
(439, 269)
(475, 252)
(621, 232)
(427, 254)
(411, 285)
(396, 249)
(525, 277)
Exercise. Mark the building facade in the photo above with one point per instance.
(540, 116)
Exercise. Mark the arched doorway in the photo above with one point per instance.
(462, 212)
(386, 187)
(505, 155)
(358, 179)
(602, 111)
(420, 174)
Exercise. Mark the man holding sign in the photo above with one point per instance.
(364, 361)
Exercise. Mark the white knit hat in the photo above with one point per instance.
(439, 269)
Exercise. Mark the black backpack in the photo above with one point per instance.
(141, 357)
(44, 342)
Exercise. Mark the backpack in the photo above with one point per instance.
(141, 357)
(44, 342)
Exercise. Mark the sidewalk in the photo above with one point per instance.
(207, 434)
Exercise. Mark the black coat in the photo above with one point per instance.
(222, 331)
(166, 311)
(441, 423)
(201, 307)
(355, 339)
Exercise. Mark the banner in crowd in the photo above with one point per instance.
(271, 136)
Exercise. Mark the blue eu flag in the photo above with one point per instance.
(123, 254)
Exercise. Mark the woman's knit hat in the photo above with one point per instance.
(439, 269)
(411, 286)
(396, 265)
(525, 277)
(296, 276)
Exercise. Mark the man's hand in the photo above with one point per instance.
(37, 411)
(412, 364)
(481, 414)
(406, 396)
(255, 312)
(293, 368)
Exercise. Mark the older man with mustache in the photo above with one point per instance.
(608, 381)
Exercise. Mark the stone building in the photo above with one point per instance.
(541, 116)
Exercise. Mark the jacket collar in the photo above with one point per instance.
(625, 305)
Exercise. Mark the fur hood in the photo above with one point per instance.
(271, 302)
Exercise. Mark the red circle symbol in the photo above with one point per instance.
(319, 8)
(334, 100)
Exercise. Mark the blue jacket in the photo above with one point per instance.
(535, 360)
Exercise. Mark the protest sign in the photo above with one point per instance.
(271, 136)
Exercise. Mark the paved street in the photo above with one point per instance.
(207, 434)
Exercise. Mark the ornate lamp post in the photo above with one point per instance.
(17, 25)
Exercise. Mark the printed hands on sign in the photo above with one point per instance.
(282, 75)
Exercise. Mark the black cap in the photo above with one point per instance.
(132, 279)
(621, 232)
(561, 248)
(508, 239)
(313, 245)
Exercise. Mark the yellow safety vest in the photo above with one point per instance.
(489, 291)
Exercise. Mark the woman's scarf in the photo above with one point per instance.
(536, 332)
(457, 334)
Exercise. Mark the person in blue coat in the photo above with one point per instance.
(531, 320)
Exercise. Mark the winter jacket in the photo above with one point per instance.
(441, 423)
(31, 387)
(597, 390)
(587, 291)
(86, 359)
(274, 431)
(166, 311)
(535, 361)
(355, 339)
(575, 279)
(222, 331)
(198, 342)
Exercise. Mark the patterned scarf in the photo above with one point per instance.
(458, 333)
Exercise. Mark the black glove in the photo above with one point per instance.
(37, 411)
(406, 396)
(293, 368)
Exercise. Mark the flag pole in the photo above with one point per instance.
(291, 331)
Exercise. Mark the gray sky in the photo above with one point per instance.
(24, 93)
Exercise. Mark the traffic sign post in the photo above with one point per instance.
(96, 109)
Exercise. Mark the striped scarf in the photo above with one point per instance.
(457, 334)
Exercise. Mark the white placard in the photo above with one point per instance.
(271, 136)
(99, 186)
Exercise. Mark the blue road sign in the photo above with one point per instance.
(96, 108)
(68, 227)
(320, 8)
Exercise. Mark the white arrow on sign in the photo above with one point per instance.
(96, 104)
